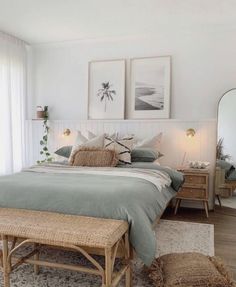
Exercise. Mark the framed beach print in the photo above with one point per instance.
(150, 88)
(106, 89)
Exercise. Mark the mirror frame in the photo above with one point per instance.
(217, 134)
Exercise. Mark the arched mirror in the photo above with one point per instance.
(225, 179)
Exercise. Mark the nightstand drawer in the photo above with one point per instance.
(195, 179)
(190, 192)
(195, 187)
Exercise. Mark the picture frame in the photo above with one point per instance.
(150, 80)
(106, 91)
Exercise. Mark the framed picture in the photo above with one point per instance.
(106, 89)
(150, 88)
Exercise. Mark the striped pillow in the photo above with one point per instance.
(122, 148)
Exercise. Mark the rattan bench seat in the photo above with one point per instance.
(65, 231)
(62, 229)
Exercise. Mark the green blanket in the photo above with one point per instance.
(135, 200)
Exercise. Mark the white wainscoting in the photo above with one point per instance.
(174, 144)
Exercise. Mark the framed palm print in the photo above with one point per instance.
(106, 89)
(150, 88)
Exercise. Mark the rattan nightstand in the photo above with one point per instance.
(195, 187)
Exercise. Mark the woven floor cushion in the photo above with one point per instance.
(189, 270)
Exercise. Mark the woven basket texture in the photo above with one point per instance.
(61, 229)
(189, 270)
(94, 157)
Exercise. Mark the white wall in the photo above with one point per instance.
(203, 68)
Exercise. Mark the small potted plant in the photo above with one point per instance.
(41, 112)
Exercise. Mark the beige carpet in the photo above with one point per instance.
(172, 236)
(178, 236)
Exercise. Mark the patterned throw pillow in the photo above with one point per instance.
(122, 147)
(94, 157)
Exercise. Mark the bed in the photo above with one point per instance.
(138, 194)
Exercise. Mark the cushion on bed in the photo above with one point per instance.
(97, 142)
(64, 151)
(189, 269)
(153, 142)
(92, 135)
(122, 147)
(80, 139)
(143, 154)
(94, 157)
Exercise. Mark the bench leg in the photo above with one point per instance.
(128, 273)
(36, 257)
(6, 271)
(108, 267)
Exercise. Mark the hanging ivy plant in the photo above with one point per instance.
(44, 142)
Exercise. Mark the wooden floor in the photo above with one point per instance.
(224, 220)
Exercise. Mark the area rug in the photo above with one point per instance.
(172, 236)
(179, 236)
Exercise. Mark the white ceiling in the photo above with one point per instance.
(42, 21)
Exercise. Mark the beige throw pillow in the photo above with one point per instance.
(94, 157)
(153, 142)
(97, 142)
(113, 136)
(80, 139)
(122, 147)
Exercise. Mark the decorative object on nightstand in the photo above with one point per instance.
(195, 187)
(196, 164)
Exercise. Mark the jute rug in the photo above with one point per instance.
(172, 236)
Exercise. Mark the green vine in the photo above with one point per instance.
(44, 142)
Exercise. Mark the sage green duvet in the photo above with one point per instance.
(134, 199)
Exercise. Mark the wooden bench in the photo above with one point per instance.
(65, 231)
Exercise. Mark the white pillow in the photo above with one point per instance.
(97, 142)
(154, 142)
(92, 135)
(122, 147)
(80, 139)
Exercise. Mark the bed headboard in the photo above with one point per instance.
(174, 144)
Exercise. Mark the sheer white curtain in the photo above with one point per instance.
(12, 103)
